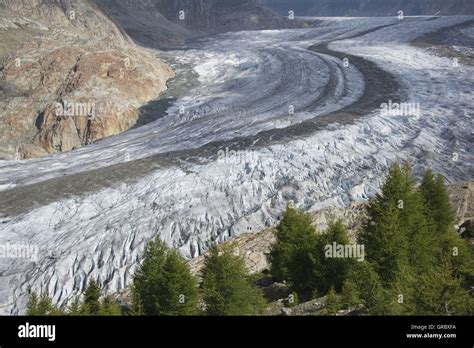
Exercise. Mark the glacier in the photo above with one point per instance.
(233, 149)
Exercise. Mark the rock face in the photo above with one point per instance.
(165, 23)
(372, 7)
(68, 77)
(462, 199)
(254, 248)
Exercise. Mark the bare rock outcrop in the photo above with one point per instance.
(254, 248)
(71, 77)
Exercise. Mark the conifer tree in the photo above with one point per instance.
(439, 292)
(179, 294)
(295, 227)
(333, 302)
(225, 286)
(368, 285)
(42, 306)
(163, 283)
(436, 198)
(75, 309)
(109, 307)
(334, 270)
(397, 234)
(91, 303)
(32, 306)
(350, 295)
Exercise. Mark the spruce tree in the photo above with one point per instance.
(32, 306)
(368, 285)
(42, 306)
(148, 277)
(333, 302)
(437, 204)
(293, 232)
(423, 265)
(75, 309)
(179, 294)
(334, 270)
(303, 265)
(385, 244)
(440, 292)
(91, 303)
(163, 283)
(225, 286)
(350, 296)
(109, 307)
(397, 234)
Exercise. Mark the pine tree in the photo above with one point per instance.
(109, 307)
(91, 303)
(437, 204)
(397, 234)
(32, 306)
(334, 270)
(303, 265)
(333, 302)
(163, 283)
(225, 286)
(368, 285)
(439, 292)
(350, 295)
(293, 232)
(42, 306)
(179, 294)
(149, 277)
(75, 309)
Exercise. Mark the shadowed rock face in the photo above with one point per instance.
(372, 7)
(165, 23)
(68, 53)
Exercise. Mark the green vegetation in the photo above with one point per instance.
(350, 296)
(42, 306)
(90, 306)
(421, 261)
(299, 255)
(333, 302)
(163, 284)
(415, 262)
(226, 287)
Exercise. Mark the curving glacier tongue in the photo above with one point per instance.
(204, 182)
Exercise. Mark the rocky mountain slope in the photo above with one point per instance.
(165, 23)
(68, 76)
(372, 7)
